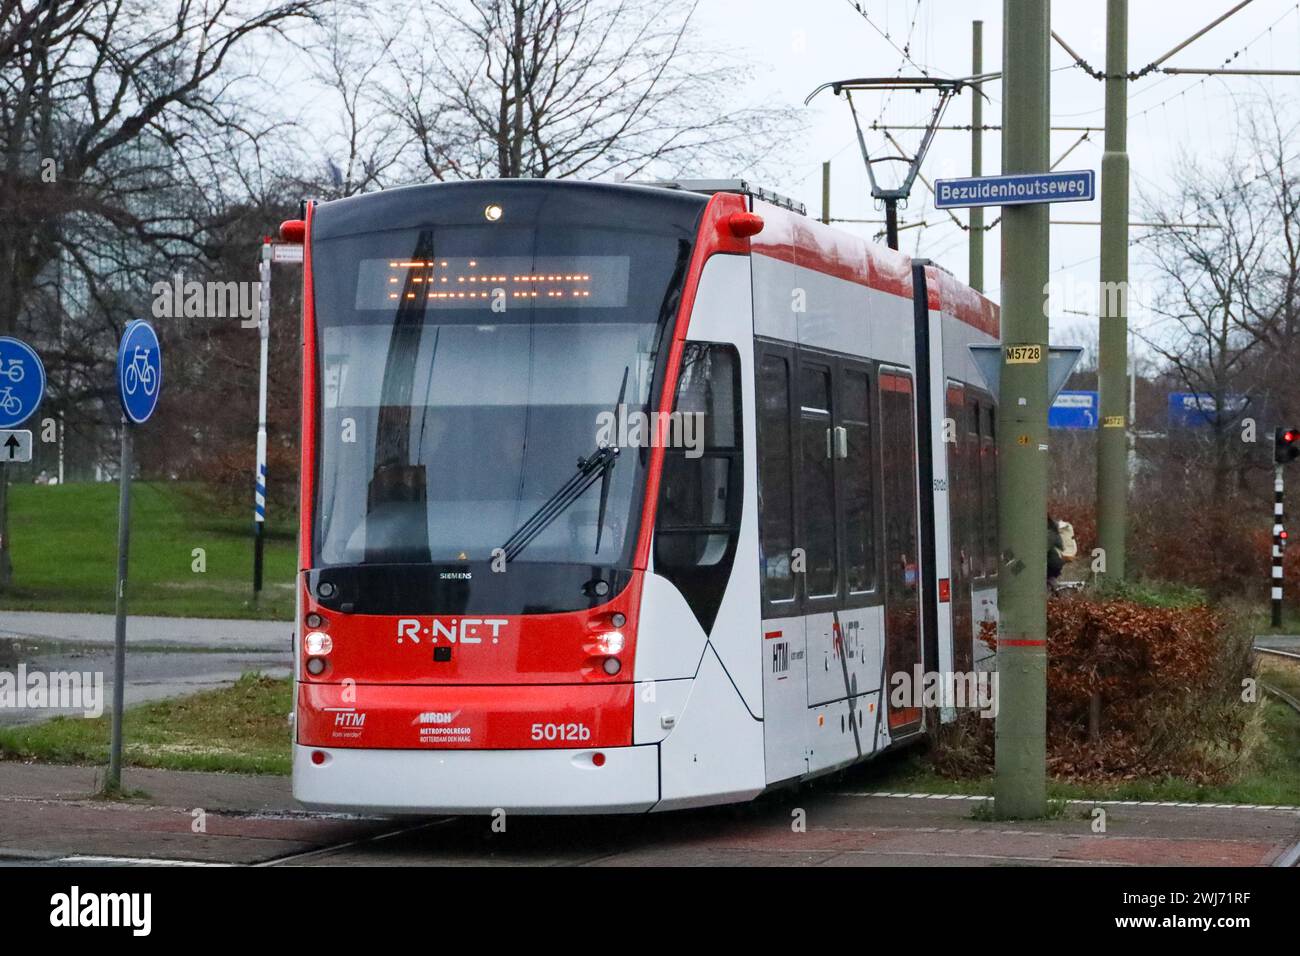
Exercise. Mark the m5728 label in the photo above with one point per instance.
(1024, 354)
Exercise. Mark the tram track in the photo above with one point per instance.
(1277, 692)
(290, 858)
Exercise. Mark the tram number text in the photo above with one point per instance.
(561, 732)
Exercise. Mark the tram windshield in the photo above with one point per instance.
(465, 370)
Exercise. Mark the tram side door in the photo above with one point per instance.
(819, 528)
(901, 571)
(962, 461)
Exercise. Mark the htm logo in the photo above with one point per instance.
(349, 719)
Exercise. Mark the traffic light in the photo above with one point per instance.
(1286, 445)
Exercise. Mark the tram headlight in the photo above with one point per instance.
(611, 642)
(315, 666)
(493, 212)
(318, 643)
(612, 666)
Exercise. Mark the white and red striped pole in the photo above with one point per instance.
(1279, 542)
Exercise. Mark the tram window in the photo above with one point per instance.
(859, 546)
(989, 506)
(976, 537)
(960, 517)
(775, 489)
(959, 499)
(817, 491)
(701, 489)
(900, 573)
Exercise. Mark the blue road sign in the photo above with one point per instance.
(139, 371)
(1076, 185)
(1074, 410)
(22, 382)
(1199, 410)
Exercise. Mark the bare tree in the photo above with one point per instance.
(364, 142)
(1204, 276)
(113, 115)
(1273, 288)
(575, 88)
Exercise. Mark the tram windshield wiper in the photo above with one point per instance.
(596, 466)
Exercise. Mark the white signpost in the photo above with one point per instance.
(291, 253)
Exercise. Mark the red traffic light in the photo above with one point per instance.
(1285, 446)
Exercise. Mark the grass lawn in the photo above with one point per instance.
(244, 729)
(65, 553)
(239, 729)
(1263, 622)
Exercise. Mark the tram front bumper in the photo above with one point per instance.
(586, 780)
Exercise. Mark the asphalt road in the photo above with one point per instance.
(1279, 642)
(166, 657)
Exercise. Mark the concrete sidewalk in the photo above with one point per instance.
(49, 814)
(46, 815)
(192, 632)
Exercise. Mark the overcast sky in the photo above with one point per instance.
(799, 45)
(796, 45)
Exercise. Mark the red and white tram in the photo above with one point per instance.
(624, 498)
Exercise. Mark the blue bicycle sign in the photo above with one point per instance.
(139, 371)
(22, 382)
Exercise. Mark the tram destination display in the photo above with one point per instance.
(493, 281)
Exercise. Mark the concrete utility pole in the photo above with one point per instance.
(977, 155)
(1112, 358)
(826, 193)
(1020, 779)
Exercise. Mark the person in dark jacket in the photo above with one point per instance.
(1055, 550)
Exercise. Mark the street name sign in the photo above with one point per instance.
(1076, 185)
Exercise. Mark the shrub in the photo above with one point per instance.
(1141, 681)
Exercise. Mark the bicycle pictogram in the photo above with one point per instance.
(10, 403)
(140, 374)
(14, 372)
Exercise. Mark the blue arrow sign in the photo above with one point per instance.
(22, 382)
(1077, 185)
(139, 371)
(1199, 410)
(1074, 410)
